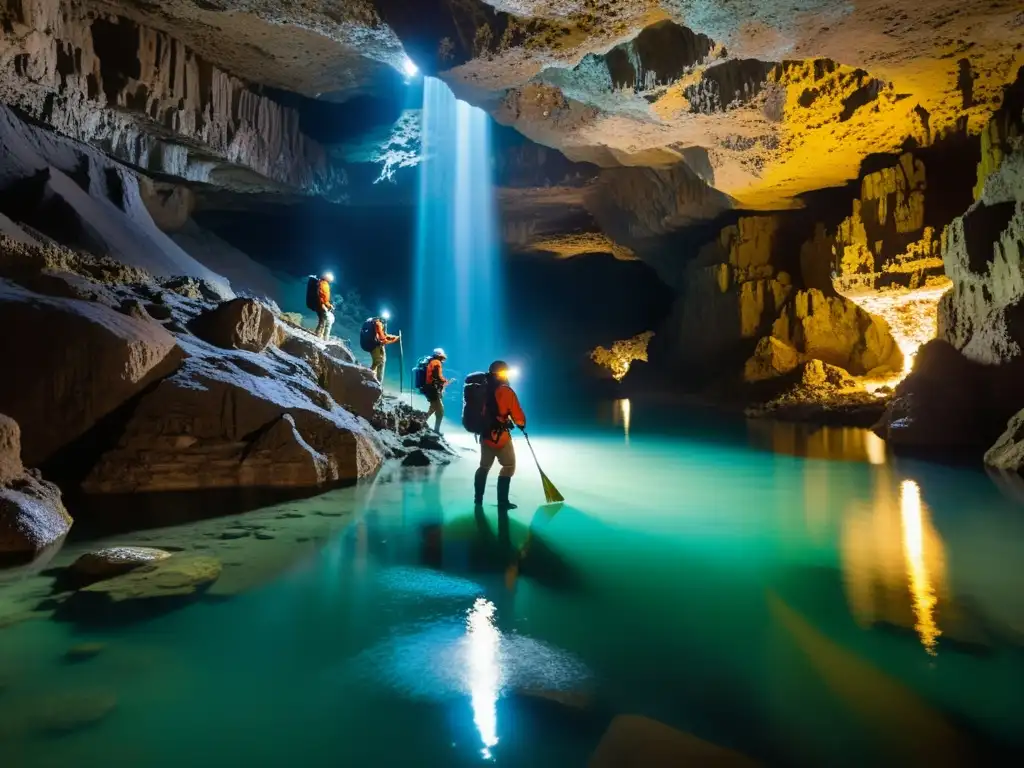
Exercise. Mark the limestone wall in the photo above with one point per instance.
(143, 96)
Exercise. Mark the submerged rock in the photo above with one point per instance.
(63, 713)
(161, 584)
(113, 561)
(32, 514)
(237, 324)
(84, 652)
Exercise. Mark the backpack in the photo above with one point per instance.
(313, 293)
(477, 416)
(368, 335)
(419, 375)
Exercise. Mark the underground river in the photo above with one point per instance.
(792, 594)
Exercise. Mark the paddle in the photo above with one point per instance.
(551, 493)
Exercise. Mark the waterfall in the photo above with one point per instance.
(457, 302)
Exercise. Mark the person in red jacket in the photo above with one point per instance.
(326, 311)
(378, 357)
(434, 388)
(504, 411)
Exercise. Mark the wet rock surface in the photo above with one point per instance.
(32, 514)
(820, 393)
(113, 561)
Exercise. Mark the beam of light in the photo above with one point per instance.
(409, 67)
(457, 302)
(484, 644)
(385, 314)
(921, 590)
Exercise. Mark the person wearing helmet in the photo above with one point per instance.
(433, 389)
(378, 356)
(325, 312)
(504, 412)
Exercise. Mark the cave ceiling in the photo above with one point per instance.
(629, 119)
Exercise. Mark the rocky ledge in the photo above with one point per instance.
(130, 384)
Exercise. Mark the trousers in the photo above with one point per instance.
(323, 328)
(506, 456)
(378, 359)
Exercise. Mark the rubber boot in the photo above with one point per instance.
(479, 481)
(503, 502)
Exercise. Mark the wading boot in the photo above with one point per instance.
(479, 481)
(503, 502)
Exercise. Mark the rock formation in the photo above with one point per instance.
(970, 381)
(32, 516)
(133, 396)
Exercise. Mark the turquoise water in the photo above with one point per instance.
(796, 596)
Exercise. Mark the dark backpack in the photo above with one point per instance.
(477, 416)
(419, 375)
(368, 335)
(313, 293)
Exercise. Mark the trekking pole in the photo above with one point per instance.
(401, 365)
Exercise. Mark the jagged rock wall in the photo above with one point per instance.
(76, 195)
(144, 97)
(983, 250)
(746, 286)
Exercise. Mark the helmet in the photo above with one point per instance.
(498, 368)
(328, 276)
(439, 353)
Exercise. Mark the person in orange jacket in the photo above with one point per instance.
(505, 411)
(434, 388)
(378, 357)
(326, 311)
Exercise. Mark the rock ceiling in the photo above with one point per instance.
(783, 96)
(680, 109)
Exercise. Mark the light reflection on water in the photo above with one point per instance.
(401, 635)
(484, 671)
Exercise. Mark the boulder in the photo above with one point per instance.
(11, 467)
(1008, 451)
(635, 741)
(236, 419)
(113, 561)
(174, 577)
(771, 358)
(352, 386)
(77, 361)
(936, 408)
(835, 330)
(32, 515)
(237, 324)
(820, 393)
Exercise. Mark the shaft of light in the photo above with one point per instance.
(456, 293)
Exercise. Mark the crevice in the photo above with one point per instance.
(982, 228)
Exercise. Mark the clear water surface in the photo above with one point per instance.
(795, 595)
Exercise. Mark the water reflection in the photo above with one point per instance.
(840, 443)
(484, 642)
(893, 559)
(920, 580)
(621, 413)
